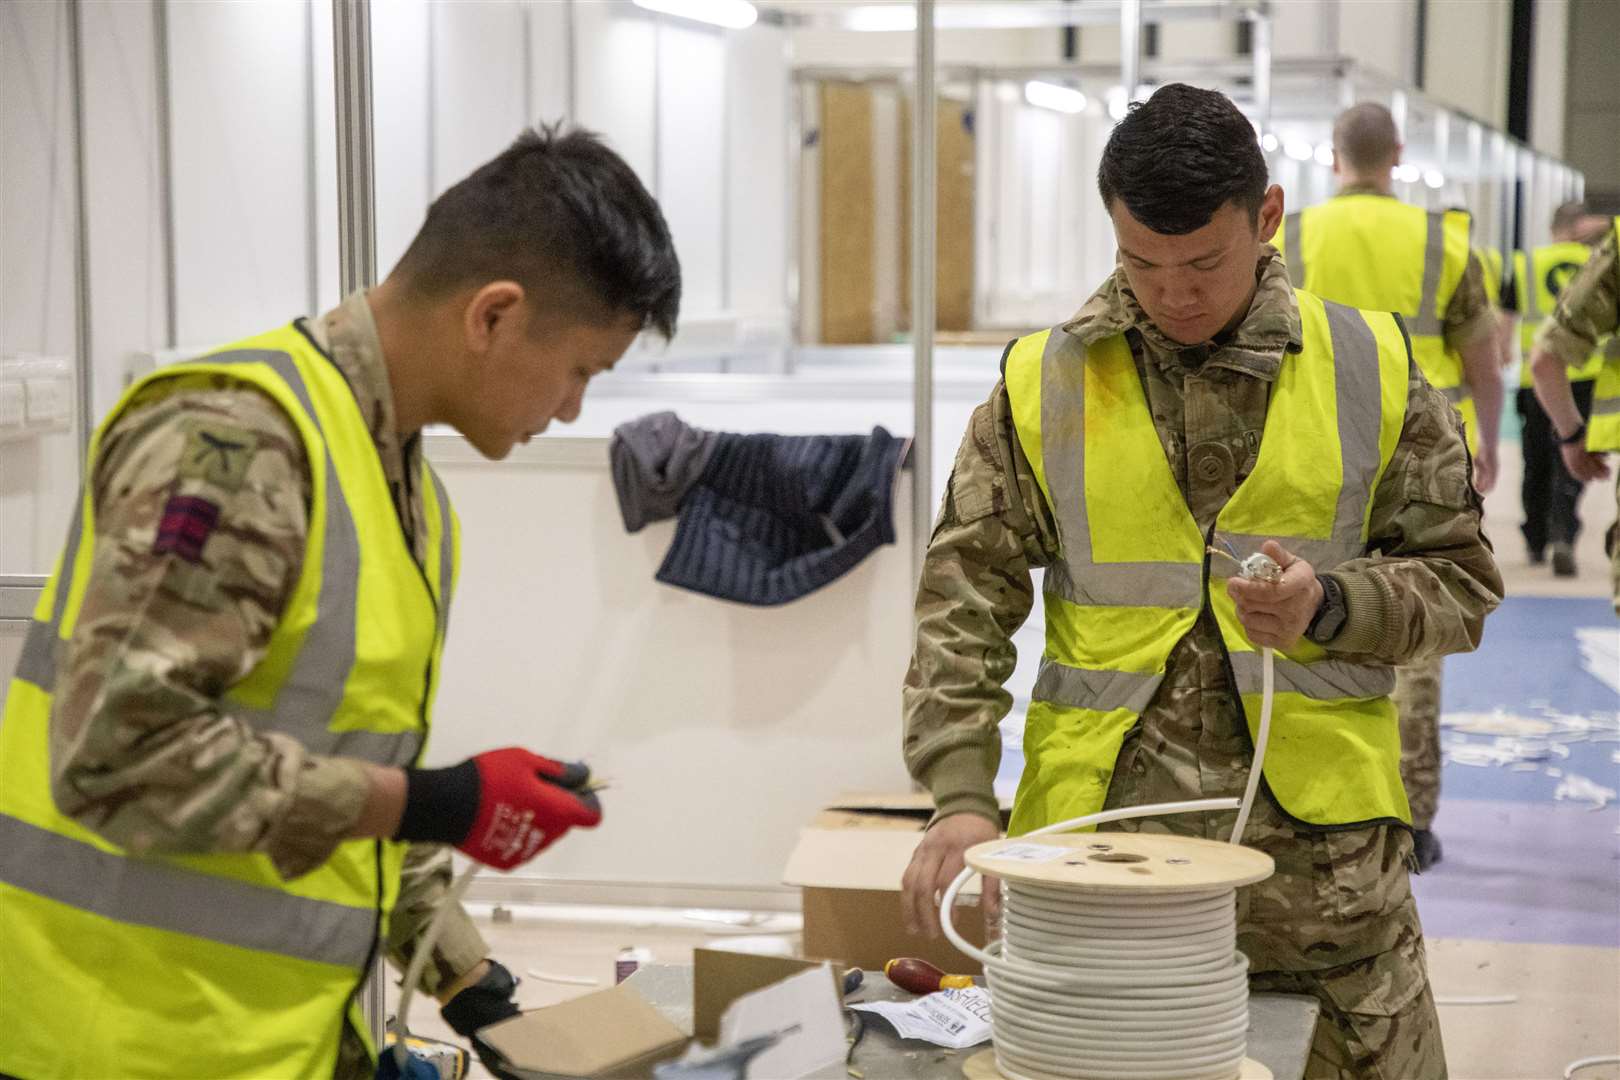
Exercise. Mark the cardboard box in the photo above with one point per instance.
(848, 864)
(610, 1033)
(615, 1034)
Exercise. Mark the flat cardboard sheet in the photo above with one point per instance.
(720, 978)
(610, 1033)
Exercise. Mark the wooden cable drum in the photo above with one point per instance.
(1118, 958)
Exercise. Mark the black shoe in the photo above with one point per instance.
(1563, 560)
(1537, 556)
(1426, 848)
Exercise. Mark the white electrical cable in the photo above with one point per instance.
(1093, 986)
(413, 973)
(1586, 1063)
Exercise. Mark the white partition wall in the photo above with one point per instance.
(721, 727)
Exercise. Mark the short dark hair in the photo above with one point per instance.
(1366, 137)
(562, 215)
(1180, 156)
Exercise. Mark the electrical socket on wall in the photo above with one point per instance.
(13, 409)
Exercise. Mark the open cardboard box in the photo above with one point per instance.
(848, 863)
(618, 1034)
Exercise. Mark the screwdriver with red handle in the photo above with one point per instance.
(921, 977)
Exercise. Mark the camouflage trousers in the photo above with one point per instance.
(1337, 921)
(1417, 700)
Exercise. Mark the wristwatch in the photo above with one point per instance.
(1331, 613)
(1573, 437)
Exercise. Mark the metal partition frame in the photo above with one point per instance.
(924, 174)
(357, 258)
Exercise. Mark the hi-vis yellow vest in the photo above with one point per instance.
(1134, 575)
(212, 965)
(1537, 281)
(1380, 254)
(1490, 260)
(1603, 429)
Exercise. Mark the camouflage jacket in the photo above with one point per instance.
(142, 751)
(1588, 308)
(1425, 595)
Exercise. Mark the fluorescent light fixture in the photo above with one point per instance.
(1408, 174)
(1063, 99)
(871, 18)
(1117, 104)
(1324, 154)
(1299, 149)
(731, 14)
(1269, 143)
(1434, 178)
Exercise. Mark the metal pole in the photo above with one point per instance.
(357, 231)
(1130, 46)
(357, 257)
(165, 152)
(923, 170)
(1260, 25)
(81, 234)
(312, 227)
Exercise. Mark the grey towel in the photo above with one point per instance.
(655, 460)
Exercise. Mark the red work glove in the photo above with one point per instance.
(502, 807)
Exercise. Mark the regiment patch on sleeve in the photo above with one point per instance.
(185, 527)
(218, 455)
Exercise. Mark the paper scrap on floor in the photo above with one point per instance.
(956, 1019)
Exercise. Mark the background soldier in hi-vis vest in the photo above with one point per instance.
(1196, 398)
(1588, 311)
(1550, 492)
(1367, 249)
(212, 815)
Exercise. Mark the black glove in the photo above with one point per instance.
(487, 1001)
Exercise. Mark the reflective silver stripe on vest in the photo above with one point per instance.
(1427, 322)
(1102, 690)
(1359, 399)
(1139, 584)
(447, 551)
(37, 664)
(1325, 680)
(1295, 257)
(167, 897)
(1063, 454)
(1605, 406)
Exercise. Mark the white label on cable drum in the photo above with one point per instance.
(1031, 852)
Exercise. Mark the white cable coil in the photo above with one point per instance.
(1140, 985)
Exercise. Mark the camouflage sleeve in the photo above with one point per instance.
(423, 885)
(1427, 592)
(200, 493)
(974, 594)
(1469, 316)
(1588, 307)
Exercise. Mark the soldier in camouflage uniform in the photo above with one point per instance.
(141, 750)
(1366, 146)
(1588, 311)
(1337, 919)
(161, 635)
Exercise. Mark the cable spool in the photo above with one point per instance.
(1118, 959)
